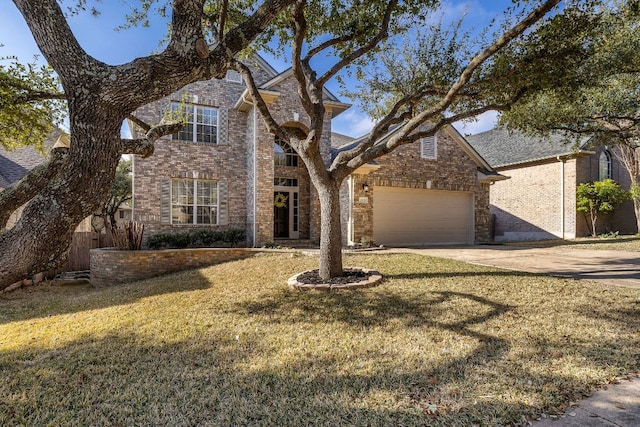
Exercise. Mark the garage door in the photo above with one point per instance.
(403, 216)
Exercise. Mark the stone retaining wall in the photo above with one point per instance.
(110, 266)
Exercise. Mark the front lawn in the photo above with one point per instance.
(439, 343)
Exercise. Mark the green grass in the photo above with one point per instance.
(439, 343)
(620, 243)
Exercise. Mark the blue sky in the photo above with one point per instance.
(98, 36)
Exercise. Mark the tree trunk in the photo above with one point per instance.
(41, 238)
(636, 210)
(330, 230)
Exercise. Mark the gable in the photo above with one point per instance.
(285, 85)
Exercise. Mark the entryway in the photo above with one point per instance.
(285, 213)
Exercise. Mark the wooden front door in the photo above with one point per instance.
(281, 215)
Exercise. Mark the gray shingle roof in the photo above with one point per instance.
(15, 164)
(338, 139)
(501, 147)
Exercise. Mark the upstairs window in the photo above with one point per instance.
(201, 123)
(284, 155)
(429, 147)
(604, 164)
(194, 201)
(234, 76)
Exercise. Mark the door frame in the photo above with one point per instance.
(294, 219)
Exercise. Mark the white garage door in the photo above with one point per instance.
(403, 216)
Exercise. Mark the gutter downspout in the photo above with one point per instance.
(350, 191)
(562, 201)
(255, 180)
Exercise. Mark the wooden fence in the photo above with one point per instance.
(81, 244)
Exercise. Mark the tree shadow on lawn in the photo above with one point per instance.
(122, 380)
(225, 381)
(47, 300)
(211, 377)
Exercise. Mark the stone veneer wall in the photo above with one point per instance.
(111, 266)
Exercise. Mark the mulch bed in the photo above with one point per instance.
(348, 276)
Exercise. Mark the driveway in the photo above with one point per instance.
(616, 268)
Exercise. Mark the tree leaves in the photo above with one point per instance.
(30, 103)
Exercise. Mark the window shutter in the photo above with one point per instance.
(428, 147)
(165, 201)
(223, 203)
(223, 126)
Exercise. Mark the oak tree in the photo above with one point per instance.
(77, 180)
(603, 100)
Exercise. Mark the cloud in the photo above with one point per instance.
(352, 123)
(481, 123)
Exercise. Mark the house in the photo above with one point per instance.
(225, 170)
(539, 200)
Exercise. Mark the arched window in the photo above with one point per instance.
(604, 165)
(283, 154)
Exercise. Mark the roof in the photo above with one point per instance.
(331, 101)
(484, 167)
(338, 139)
(502, 147)
(16, 164)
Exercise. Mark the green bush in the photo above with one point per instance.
(599, 198)
(201, 238)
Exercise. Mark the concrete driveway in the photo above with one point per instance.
(611, 267)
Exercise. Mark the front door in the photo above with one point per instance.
(281, 215)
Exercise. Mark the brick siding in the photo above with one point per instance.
(111, 267)
(528, 206)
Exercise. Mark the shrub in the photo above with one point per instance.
(234, 236)
(599, 198)
(201, 238)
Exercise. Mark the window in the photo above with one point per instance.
(234, 76)
(121, 214)
(194, 201)
(429, 147)
(201, 123)
(604, 165)
(284, 155)
(285, 182)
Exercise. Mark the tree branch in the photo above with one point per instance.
(303, 74)
(55, 39)
(371, 151)
(145, 146)
(20, 192)
(382, 34)
(222, 19)
(375, 148)
(141, 123)
(252, 88)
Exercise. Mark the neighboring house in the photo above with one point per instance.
(539, 200)
(16, 164)
(123, 214)
(224, 169)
